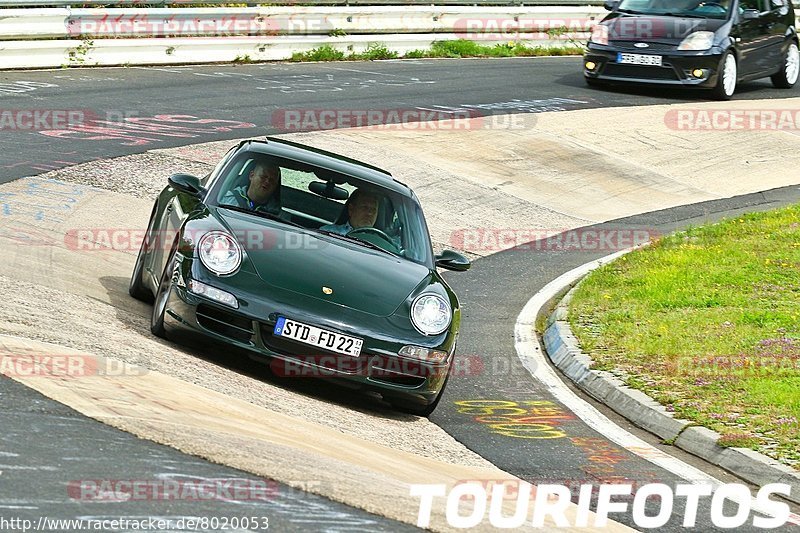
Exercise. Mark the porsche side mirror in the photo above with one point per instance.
(611, 5)
(452, 261)
(187, 183)
(750, 14)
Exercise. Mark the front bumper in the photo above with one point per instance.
(676, 67)
(378, 368)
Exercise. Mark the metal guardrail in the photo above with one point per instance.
(273, 23)
(58, 36)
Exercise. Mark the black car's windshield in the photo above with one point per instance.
(332, 204)
(678, 8)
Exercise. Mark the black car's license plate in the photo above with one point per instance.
(321, 338)
(639, 59)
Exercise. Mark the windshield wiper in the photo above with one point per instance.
(631, 11)
(262, 214)
(357, 241)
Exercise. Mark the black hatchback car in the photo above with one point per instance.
(694, 43)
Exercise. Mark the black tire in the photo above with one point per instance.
(727, 77)
(162, 296)
(786, 77)
(137, 288)
(417, 409)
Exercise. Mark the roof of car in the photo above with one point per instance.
(328, 160)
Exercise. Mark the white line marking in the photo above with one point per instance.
(532, 358)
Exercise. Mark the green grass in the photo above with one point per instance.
(454, 49)
(707, 322)
(329, 53)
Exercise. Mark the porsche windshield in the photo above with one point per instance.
(341, 207)
(678, 8)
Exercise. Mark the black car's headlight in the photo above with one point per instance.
(699, 40)
(220, 253)
(599, 34)
(431, 314)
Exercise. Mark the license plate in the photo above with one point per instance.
(638, 59)
(321, 338)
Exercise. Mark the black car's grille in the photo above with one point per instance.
(225, 323)
(652, 47)
(639, 71)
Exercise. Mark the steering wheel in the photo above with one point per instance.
(368, 230)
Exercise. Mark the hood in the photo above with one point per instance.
(303, 262)
(627, 27)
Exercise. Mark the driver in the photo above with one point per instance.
(362, 211)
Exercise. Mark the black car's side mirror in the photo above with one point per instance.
(452, 261)
(611, 5)
(750, 14)
(187, 183)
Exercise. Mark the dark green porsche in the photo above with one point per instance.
(321, 264)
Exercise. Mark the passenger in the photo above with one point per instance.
(262, 193)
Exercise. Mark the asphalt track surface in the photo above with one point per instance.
(492, 293)
(569, 453)
(257, 95)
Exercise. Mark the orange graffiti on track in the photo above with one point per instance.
(534, 419)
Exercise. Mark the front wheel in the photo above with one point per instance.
(727, 77)
(162, 296)
(786, 77)
(137, 288)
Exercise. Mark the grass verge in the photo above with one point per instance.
(453, 49)
(706, 322)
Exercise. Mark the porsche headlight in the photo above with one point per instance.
(220, 253)
(431, 314)
(699, 40)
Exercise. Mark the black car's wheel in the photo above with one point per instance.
(137, 288)
(162, 295)
(786, 77)
(726, 78)
(418, 409)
